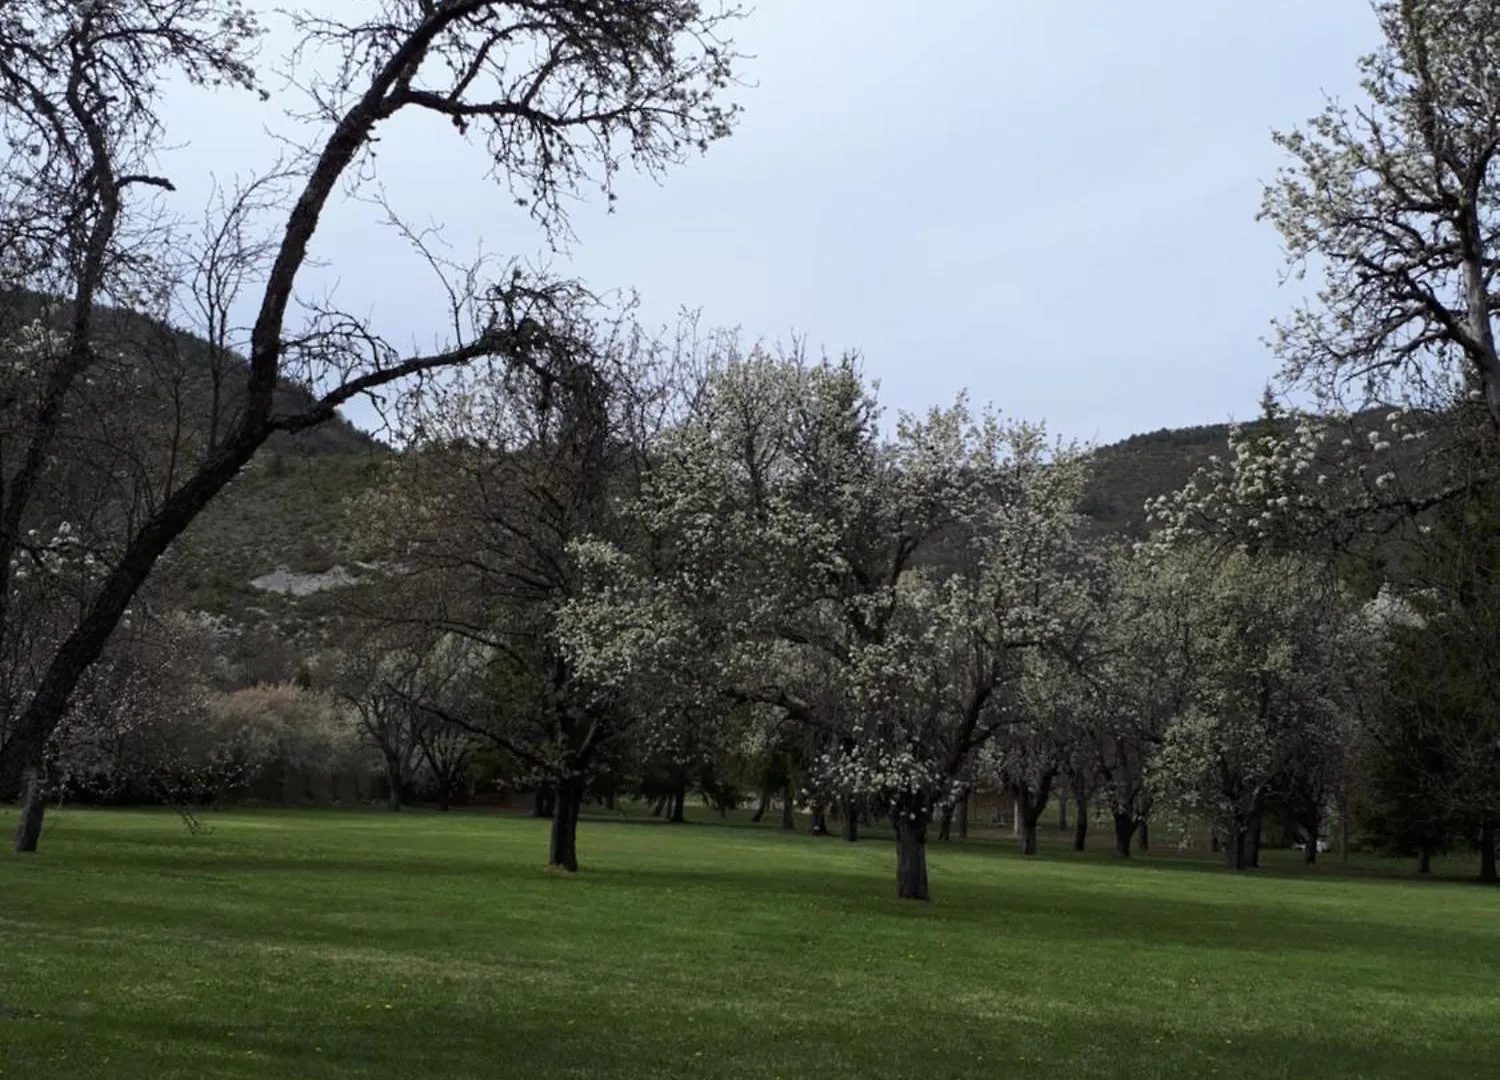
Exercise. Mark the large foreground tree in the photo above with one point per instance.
(558, 92)
(1394, 203)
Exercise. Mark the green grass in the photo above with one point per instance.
(298, 945)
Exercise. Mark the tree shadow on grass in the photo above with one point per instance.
(872, 1040)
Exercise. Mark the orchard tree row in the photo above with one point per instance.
(603, 550)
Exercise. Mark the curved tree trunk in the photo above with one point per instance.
(1124, 830)
(911, 855)
(1080, 824)
(1487, 873)
(563, 849)
(765, 804)
(33, 810)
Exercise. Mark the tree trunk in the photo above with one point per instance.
(851, 822)
(679, 803)
(1424, 859)
(445, 796)
(788, 821)
(1062, 814)
(33, 809)
(1237, 845)
(819, 824)
(945, 826)
(563, 850)
(1028, 815)
(1027, 842)
(392, 784)
(911, 855)
(765, 804)
(1487, 872)
(1343, 828)
(1252, 841)
(1124, 830)
(1080, 824)
(963, 818)
(1143, 836)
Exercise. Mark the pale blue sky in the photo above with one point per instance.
(1050, 203)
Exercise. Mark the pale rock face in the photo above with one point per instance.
(282, 580)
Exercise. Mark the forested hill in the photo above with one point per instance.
(173, 375)
(1127, 474)
(284, 512)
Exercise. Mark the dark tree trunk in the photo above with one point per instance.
(765, 804)
(1080, 824)
(1062, 814)
(659, 807)
(1252, 841)
(33, 809)
(563, 850)
(1487, 873)
(611, 798)
(392, 784)
(1143, 836)
(1027, 817)
(1344, 828)
(963, 817)
(1237, 843)
(1029, 809)
(1027, 842)
(819, 824)
(1424, 859)
(1124, 830)
(679, 803)
(445, 797)
(911, 855)
(788, 820)
(1213, 840)
(945, 826)
(851, 822)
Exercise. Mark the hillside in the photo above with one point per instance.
(283, 516)
(1127, 474)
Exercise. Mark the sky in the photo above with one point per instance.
(1051, 205)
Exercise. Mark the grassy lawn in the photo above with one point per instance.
(297, 944)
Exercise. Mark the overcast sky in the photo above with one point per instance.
(1051, 204)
